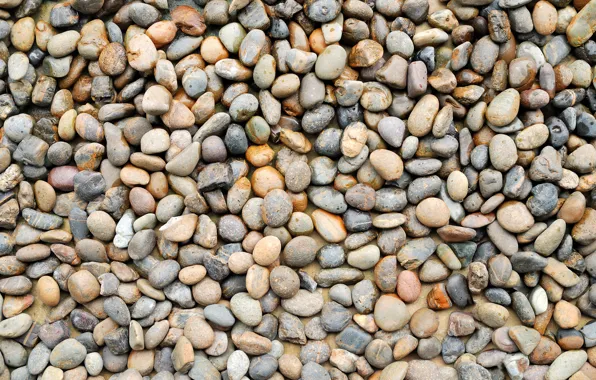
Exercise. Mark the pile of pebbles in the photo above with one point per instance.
(300, 189)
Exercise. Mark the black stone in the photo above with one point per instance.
(31, 337)
(533, 37)
(117, 341)
(262, 367)
(457, 288)
(573, 292)
(452, 348)
(514, 182)
(586, 125)
(365, 295)
(353, 339)
(331, 256)
(569, 117)
(42, 268)
(426, 55)
(217, 266)
(348, 115)
(233, 285)
(269, 302)
(335, 317)
(312, 370)
(328, 143)
(36, 56)
(356, 220)
(88, 185)
(589, 332)
(28, 8)
(278, 29)
(498, 296)
(214, 176)
(267, 327)
(86, 339)
(591, 99)
(565, 249)
(464, 251)
(523, 308)
(306, 281)
(558, 132)
(219, 315)
(590, 51)
(235, 140)
(405, 25)
(527, 262)
(544, 199)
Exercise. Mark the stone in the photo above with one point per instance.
(390, 313)
(567, 364)
(68, 354)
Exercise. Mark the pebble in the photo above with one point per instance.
(297, 304)
(157, 241)
(492, 315)
(68, 354)
(433, 212)
(141, 53)
(390, 313)
(566, 315)
(49, 292)
(500, 110)
(83, 286)
(567, 364)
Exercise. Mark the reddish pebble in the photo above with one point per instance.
(189, 20)
(62, 177)
(141, 201)
(408, 286)
(437, 298)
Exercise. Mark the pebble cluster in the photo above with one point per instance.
(298, 189)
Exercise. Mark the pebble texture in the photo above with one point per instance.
(285, 189)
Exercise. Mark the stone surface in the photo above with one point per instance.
(180, 182)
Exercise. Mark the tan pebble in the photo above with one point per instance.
(267, 250)
(387, 163)
(353, 139)
(141, 52)
(433, 212)
(365, 53)
(239, 262)
(192, 275)
(48, 291)
(391, 313)
(132, 176)
(162, 33)
(83, 286)
(544, 17)
(515, 217)
(266, 179)
(421, 119)
(212, 50)
(180, 228)
(22, 34)
(45, 196)
(329, 226)
(43, 33)
(566, 315)
(573, 208)
(457, 186)
(424, 323)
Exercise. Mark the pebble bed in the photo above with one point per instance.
(298, 189)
